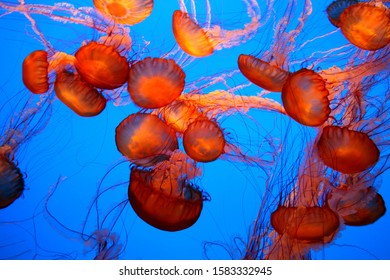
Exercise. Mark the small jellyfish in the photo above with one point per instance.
(165, 202)
(305, 98)
(78, 95)
(345, 150)
(262, 73)
(101, 66)
(11, 179)
(35, 72)
(336, 8)
(366, 26)
(155, 82)
(203, 140)
(357, 207)
(124, 11)
(190, 36)
(312, 224)
(145, 139)
(180, 114)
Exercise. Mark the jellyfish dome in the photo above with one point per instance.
(203, 140)
(366, 26)
(155, 82)
(305, 98)
(336, 8)
(180, 114)
(11, 180)
(357, 207)
(101, 66)
(35, 72)
(190, 36)
(261, 73)
(145, 139)
(125, 12)
(169, 204)
(78, 95)
(308, 224)
(347, 151)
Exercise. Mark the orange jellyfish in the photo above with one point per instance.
(203, 140)
(11, 179)
(262, 73)
(35, 72)
(78, 95)
(336, 8)
(179, 115)
(366, 25)
(124, 11)
(305, 98)
(312, 224)
(357, 207)
(168, 203)
(145, 139)
(101, 66)
(347, 151)
(190, 36)
(155, 82)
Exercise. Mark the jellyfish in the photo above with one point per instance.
(78, 95)
(367, 26)
(125, 12)
(155, 82)
(336, 8)
(101, 66)
(261, 73)
(35, 72)
(145, 139)
(11, 179)
(163, 196)
(305, 98)
(357, 207)
(203, 140)
(346, 150)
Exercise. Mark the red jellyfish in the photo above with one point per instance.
(262, 73)
(145, 139)
(11, 179)
(312, 224)
(155, 82)
(78, 95)
(336, 8)
(366, 25)
(124, 11)
(35, 72)
(305, 98)
(345, 150)
(190, 36)
(101, 66)
(357, 207)
(164, 200)
(203, 140)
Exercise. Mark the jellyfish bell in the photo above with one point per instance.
(11, 179)
(312, 224)
(336, 8)
(167, 203)
(145, 139)
(192, 38)
(101, 66)
(262, 73)
(203, 140)
(155, 82)
(347, 151)
(78, 95)
(180, 114)
(367, 26)
(125, 12)
(35, 72)
(357, 207)
(305, 98)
